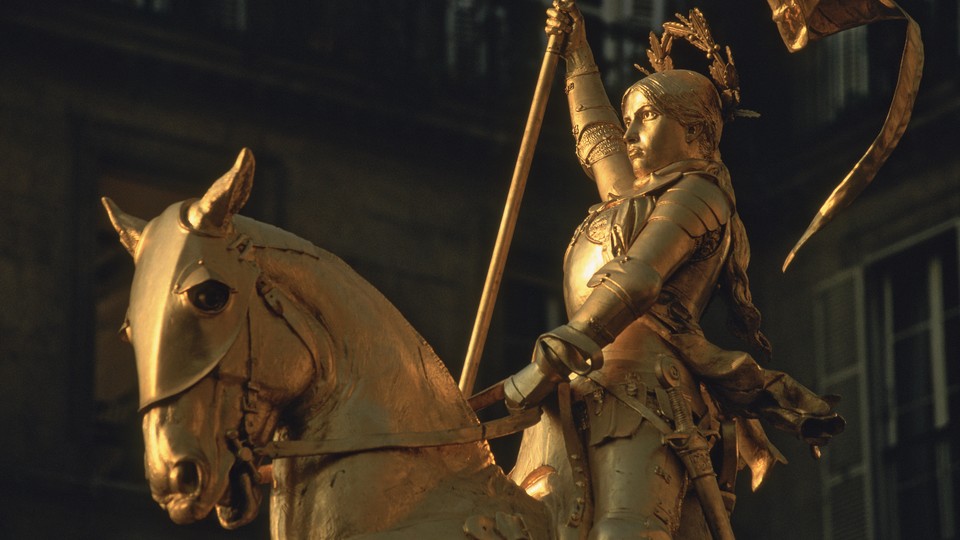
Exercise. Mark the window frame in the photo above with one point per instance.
(873, 367)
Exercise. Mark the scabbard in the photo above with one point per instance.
(692, 448)
(696, 458)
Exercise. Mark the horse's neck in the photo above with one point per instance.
(373, 375)
(378, 374)
(387, 378)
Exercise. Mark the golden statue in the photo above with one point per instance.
(263, 358)
(253, 344)
(657, 396)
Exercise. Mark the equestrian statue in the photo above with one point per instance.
(262, 358)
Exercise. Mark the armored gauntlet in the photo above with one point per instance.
(556, 355)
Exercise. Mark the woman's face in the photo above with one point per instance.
(653, 139)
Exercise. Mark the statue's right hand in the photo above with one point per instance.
(554, 358)
(529, 386)
(565, 20)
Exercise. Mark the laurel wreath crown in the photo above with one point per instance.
(695, 30)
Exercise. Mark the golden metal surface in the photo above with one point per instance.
(800, 21)
(161, 320)
(252, 343)
(638, 274)
(295, 346)
(590, 111)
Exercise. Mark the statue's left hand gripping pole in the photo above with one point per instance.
(510, 211)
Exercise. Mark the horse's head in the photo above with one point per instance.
(193, 297)
(237, 324)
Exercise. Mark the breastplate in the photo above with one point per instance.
(609, 229)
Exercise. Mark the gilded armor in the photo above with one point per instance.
(638, 274)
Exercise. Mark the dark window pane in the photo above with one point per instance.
(915, 421)
(951, 272)
(916, 463)
(912, 369)
(918, 510)
(951, 334)
(909, 281)
(955, 467)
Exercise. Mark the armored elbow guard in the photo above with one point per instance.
(623, 290)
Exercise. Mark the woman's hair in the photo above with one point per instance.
(692, 99)
(689, 98)
(744, 317)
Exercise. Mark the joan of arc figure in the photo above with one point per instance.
(638, 274)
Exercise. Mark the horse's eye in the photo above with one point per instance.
(210, 296)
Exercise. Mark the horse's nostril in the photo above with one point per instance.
(185, 477)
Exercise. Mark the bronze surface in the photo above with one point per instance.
(297, 349)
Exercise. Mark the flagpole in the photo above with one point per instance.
(510, 212)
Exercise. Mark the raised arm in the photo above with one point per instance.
(597, 129)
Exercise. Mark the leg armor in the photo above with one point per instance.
(639, 482)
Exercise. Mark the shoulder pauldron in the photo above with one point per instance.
(695, 203)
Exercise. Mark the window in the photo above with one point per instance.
(230, 15)
(646, 14)
(835, 75)
(153, 6)
(915, 337)
(466, 50)
(620, 35)
(888, 341)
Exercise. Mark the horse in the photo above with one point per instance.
(252, 342)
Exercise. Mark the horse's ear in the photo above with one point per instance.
(225, 197)
(128, 227)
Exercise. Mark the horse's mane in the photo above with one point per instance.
(362, 323)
